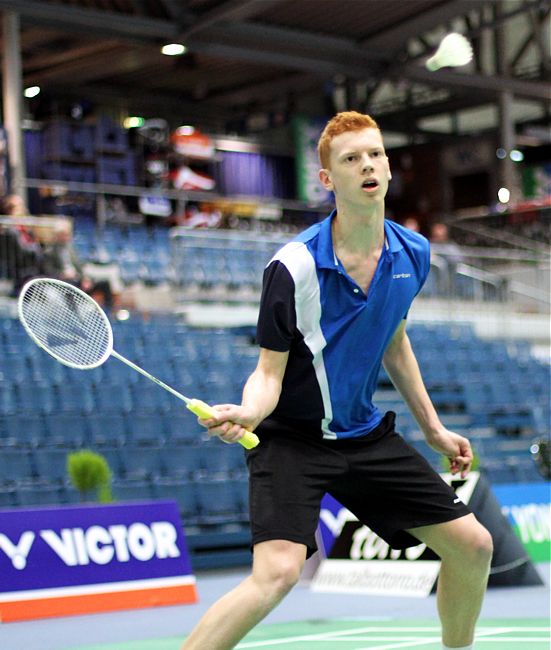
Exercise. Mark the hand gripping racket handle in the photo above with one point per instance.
(203, 410)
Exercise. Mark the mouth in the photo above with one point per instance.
(370, 185)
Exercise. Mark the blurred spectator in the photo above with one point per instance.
(445, 256)
(440, 236)
(13, 205)
(20, 246)
(411, 223)
(62, 262)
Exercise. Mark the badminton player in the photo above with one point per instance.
(334, 308)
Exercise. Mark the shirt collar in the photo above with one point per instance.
(326, 253)
(394, 243)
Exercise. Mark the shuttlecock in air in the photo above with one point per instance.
(453, 51)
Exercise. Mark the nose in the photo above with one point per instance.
(367, 165)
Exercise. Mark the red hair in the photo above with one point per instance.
(341, 123)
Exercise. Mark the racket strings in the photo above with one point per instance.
(67, 323)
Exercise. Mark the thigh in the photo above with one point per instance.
(393, 489)
(288, 478)
(454, 537)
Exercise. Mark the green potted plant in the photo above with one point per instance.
(90, 473)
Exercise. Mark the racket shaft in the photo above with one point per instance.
(196, 406)
(203, 410)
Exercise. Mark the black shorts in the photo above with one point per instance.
(380, 478)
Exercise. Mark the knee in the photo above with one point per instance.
(483, 544)
(476, 548)
(277, 566)
(284, 576)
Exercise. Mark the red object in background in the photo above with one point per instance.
(191, 143)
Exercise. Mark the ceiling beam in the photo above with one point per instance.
(478, 82)
(266, 91)
(229, 11)
(395, 37)
(103, 65)
(340, 56)
(96, 22)
(289, 48)
(41, 60)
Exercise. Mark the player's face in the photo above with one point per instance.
(358, 170)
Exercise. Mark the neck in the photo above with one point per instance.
(359, 232)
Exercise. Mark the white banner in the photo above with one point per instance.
(398, 578)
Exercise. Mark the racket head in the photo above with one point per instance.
(66, 322)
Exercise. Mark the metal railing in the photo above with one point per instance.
(228, 266)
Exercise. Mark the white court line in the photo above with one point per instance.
(403, 644)
(510, 639)
(336, 636)
(329, 636)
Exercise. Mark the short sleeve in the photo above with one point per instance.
(276, 326)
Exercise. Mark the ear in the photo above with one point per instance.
(325, 179)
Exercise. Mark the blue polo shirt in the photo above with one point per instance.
(336, 335)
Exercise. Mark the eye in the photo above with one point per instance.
(351, 157)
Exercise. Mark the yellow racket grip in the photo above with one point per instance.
(204, 411)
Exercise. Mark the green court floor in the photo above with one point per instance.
(520, 634)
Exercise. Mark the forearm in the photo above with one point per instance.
(403, 369)
(260, 395)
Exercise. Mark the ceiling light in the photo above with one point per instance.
(173, 49)
(133, 122)
(31, 91)
(185, 130)
(503, 195)
(516, 155)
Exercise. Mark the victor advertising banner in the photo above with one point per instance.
(357, 560)
(528, 509)
(73, 560)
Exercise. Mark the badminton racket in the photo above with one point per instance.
(70, 326)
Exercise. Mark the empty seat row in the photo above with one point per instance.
(214, 461)
(99, 429)
(200, 503)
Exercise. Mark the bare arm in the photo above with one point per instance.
(402, 368)
(260, 397)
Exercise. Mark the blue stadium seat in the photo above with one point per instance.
(219, 502)
(8, 403)
(182, 461)
(36, 398)
(75, 396)
(15, 368)
(146, 428)
(113, 457)
(7, 497)
(132, 490)
(223, 461)
(108, 429)
(16, 466)
(141, 462)
(181, 427)
(51, 465)
(67, 429)
(181, 491)
(146, 397)
(42, 495)
(113, 398)
(24, 430)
